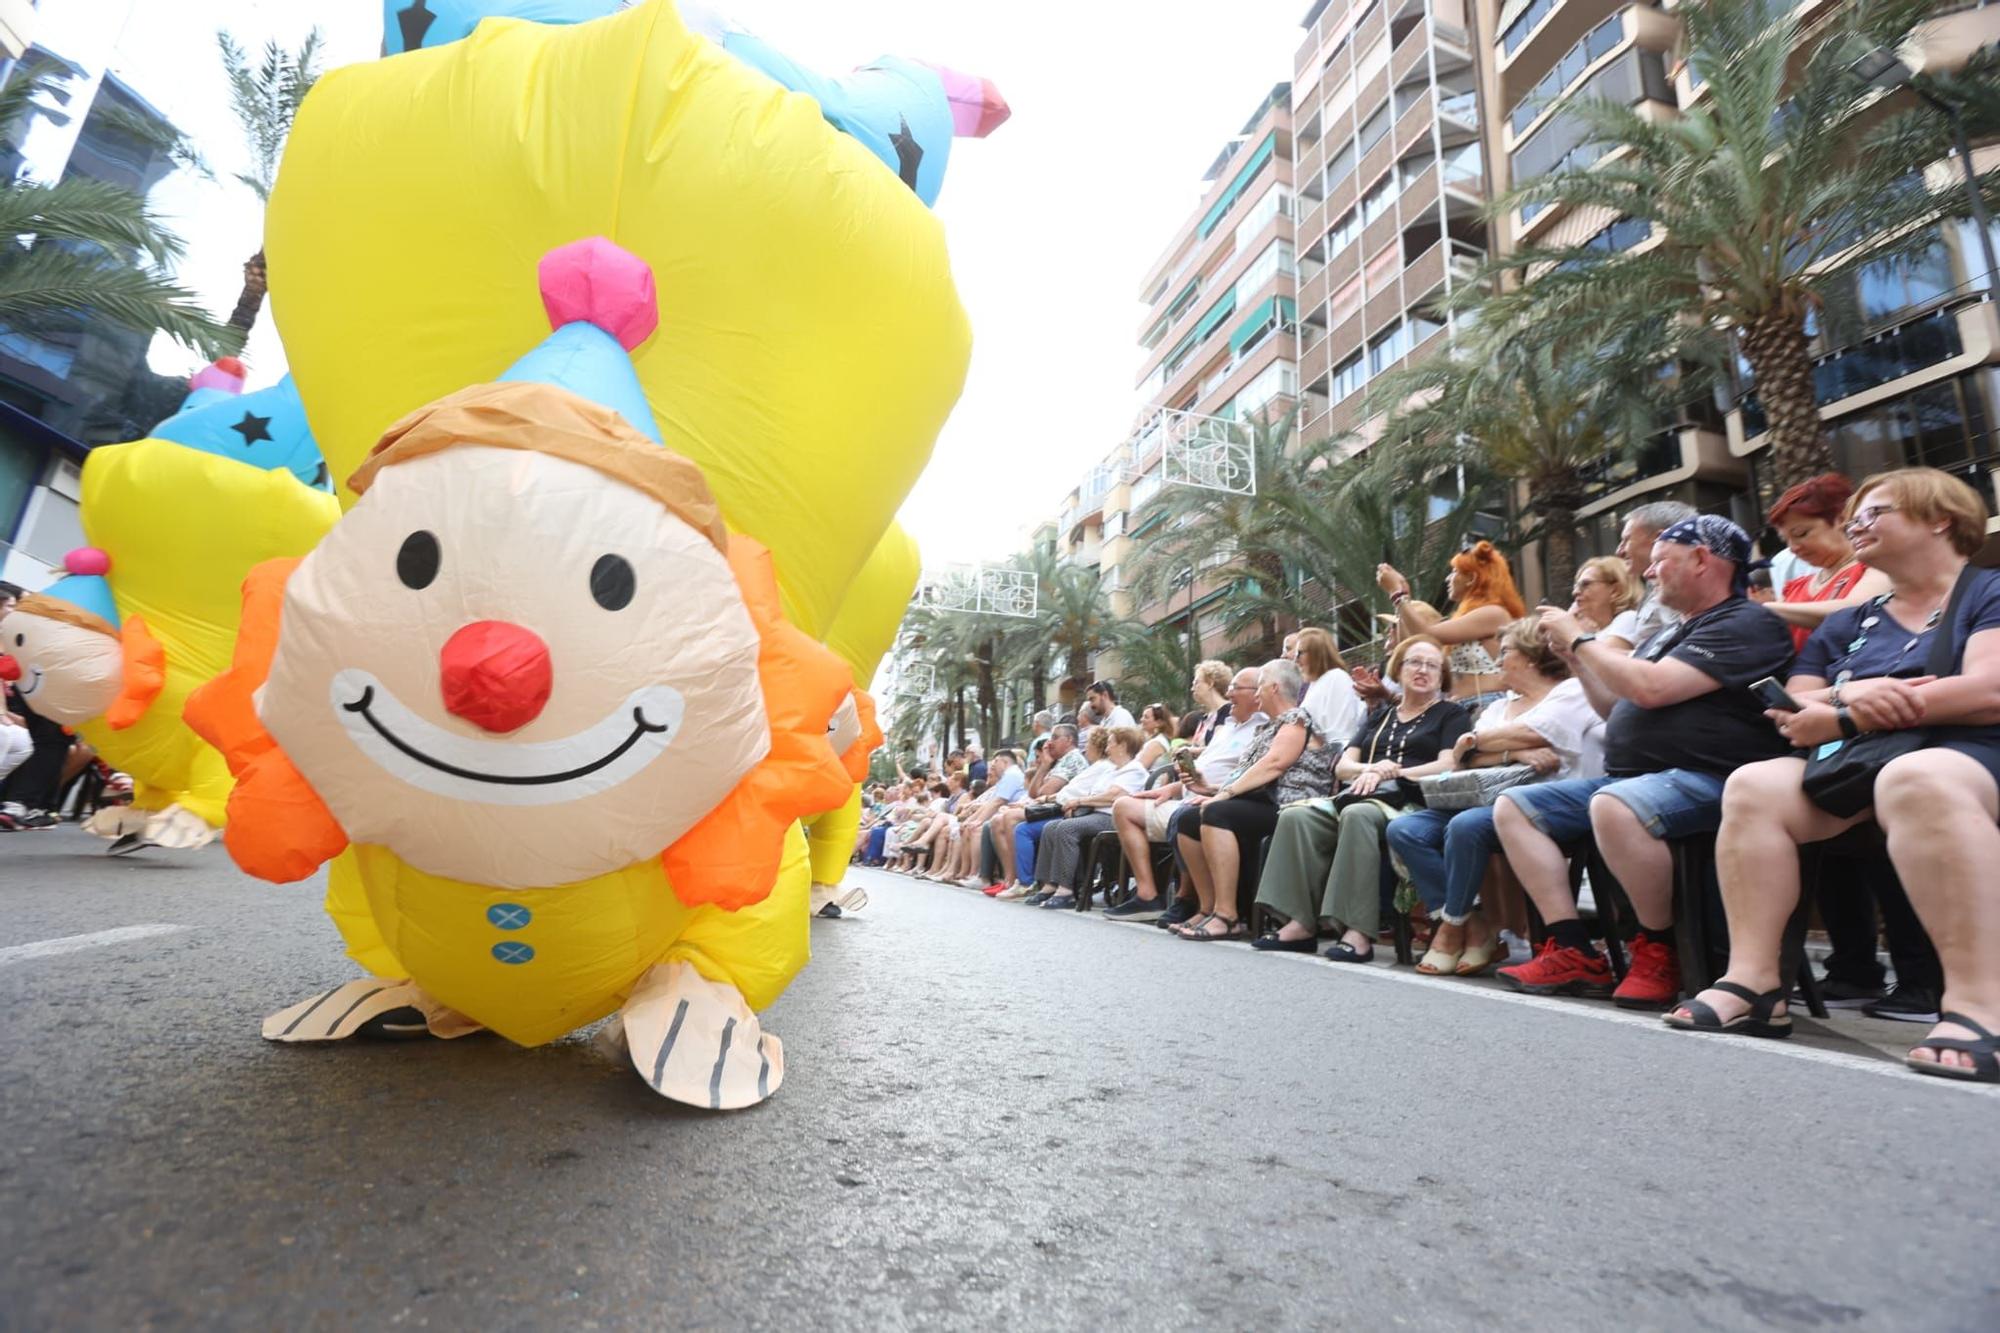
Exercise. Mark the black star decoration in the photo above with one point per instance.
(908, 153)
(253, 428)
(415, 21)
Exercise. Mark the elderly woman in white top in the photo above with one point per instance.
(1089, 797)
(1544, 721)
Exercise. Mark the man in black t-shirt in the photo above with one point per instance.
(1680, 720)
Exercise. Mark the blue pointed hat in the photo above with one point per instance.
(84, 587)
(601, 304)
(266, 429)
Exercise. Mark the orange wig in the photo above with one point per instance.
(1487, 581)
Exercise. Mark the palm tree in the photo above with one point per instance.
(83, 249)
(1520, 407)
(1745, 212)
(265, 98)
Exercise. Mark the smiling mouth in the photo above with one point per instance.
(640, 728)
(500, 770)
(24, 690)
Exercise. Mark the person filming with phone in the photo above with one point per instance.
(1898, 720)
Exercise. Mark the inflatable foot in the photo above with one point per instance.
(695, 1041)
(117, 821)
(178, 829)
(833, 900)
(374, 1007)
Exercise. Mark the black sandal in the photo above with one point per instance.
(1343, 952)
(1984, 1050)
(1193, 923)
(1754, 1022)
(1237, 930)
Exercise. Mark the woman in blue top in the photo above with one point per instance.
(1864, 670)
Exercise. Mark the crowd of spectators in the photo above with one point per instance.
(1503, 756)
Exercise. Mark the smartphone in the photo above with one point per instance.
(1772, 695)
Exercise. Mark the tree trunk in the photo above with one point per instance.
(1776, 348)
(1038, 681)
(1558, 548)
(256, 282)
(989, 696)
(958, 715)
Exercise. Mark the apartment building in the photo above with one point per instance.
(1906, 357)
(1390, 178)
(1217, 344)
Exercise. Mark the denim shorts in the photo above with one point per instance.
(1673, 803)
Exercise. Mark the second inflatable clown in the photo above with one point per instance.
(555, 710)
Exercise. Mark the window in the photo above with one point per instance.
(1567, 70)
(1374, 128)
(1346, 300)
(1383, 267)
(1348, 378)
(1338, 103)
(1280, 379)
(1275, 203)
(1276, 259)
(1378, 200)
(1620, 235)
(1371, 63)
(1343, 233)
(1531, 18)
(1388, 349)
(1340, 168)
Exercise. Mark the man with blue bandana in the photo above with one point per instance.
(1680, 719)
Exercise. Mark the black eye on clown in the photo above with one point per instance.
(612, 582)
(417, 559)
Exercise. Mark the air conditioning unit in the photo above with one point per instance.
(67, 480)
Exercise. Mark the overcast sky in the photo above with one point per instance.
(1119, 106)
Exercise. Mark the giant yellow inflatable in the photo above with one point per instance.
(811, 342)
(149, 613)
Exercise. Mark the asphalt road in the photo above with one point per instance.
(993, 1117)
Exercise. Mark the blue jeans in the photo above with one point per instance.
(1673, 803)
(1446, 852)
(1027, 844)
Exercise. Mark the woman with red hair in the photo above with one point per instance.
(1485, 602)
(1808, 518)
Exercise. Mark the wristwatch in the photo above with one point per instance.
(1845, 718)
(1579, 641)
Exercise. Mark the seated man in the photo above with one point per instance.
(1062, 760)
(1680, 720)
(1150, 816)
(1105, 709)
(1005, 787)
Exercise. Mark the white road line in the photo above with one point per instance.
(21, 953)
(1604, 1012)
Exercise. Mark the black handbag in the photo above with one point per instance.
(1840, 775)
(1041, 812)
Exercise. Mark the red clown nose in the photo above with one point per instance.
(495, 675)
(10, 670)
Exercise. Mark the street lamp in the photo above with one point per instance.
(1884, 69)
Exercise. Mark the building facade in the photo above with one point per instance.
(1905, 356)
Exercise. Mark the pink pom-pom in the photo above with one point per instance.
(595, 282)
(87, 560)
(224, 373)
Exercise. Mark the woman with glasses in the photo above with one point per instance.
(1808, 516)
(1865, 671)
(1326, 857)
(1605, 600)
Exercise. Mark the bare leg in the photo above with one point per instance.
(1128, 820)
(1765, 819)
(1197, 873)
(1643, 863)
(1004, 825)
(1224, 855)
(1538, 862)
(1938, 808)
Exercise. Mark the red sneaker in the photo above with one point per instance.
(1560, 971)
(994, 890)
(1653, 978)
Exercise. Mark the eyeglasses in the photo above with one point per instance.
(1867, 518)
(1422, 664)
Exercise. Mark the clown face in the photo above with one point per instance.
(67, 673)
(512, 669)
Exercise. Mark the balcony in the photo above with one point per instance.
(1548, 28)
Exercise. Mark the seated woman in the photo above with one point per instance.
(1485, 601)
(915, 819)
(1605, 600)
(1336, 710)
(1160, 728)
(1060, 847)
(1545, 721)
(1024, 837)
(1865, 670)
(1809, 516)
(1326, 863)
(942, 831)
(1287, 761)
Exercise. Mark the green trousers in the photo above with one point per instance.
(1327, 867)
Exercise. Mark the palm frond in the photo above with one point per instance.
(47, 287)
